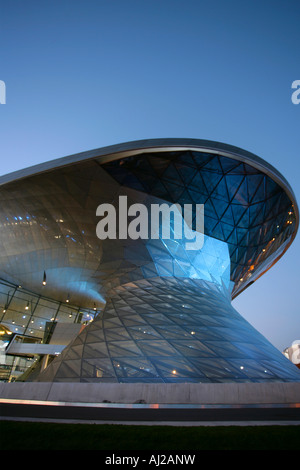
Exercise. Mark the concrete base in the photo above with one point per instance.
(223, 393)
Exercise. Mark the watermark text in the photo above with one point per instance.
(296, 94)
(164, 221)
(2, 92)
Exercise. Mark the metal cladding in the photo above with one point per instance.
(167, 314)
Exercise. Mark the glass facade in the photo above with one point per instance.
(164, 312)
(163, 330)
(25, 317)
(244, 207)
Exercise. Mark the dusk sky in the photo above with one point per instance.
(81, 75)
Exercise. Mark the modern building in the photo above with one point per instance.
(134, 308)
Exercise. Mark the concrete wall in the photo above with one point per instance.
(227, 393)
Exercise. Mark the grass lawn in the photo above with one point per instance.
(110, 437)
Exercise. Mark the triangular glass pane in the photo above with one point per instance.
(171, 174)
(201, 158)
(220, 192)
(177, 367)
(193, 348)
(124, 348)
(69, 369)
(214, 165)
(186, 158)
(228, 164)
(186, 172)
(233, 183)
(238, 211)
(211, 180)
(157, 348)
(241, 195)
(197, 184)
(75, 352)
(143, 333)
(116, 334)
(256, 187)
(220, 208)
(95, 350)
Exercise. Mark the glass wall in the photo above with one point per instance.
(27, 316)
(243, 207)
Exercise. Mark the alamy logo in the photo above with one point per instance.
(296, 94)
(164, 221)
(2, 92)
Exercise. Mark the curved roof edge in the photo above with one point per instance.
(131, 148)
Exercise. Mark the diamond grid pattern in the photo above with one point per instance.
(167, 330)
(243, 207)
(177, 327)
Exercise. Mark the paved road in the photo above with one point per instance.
(140, 414)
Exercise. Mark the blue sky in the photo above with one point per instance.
(85, 74)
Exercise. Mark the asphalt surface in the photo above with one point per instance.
(139, 414)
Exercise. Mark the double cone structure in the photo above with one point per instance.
(167, 313)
